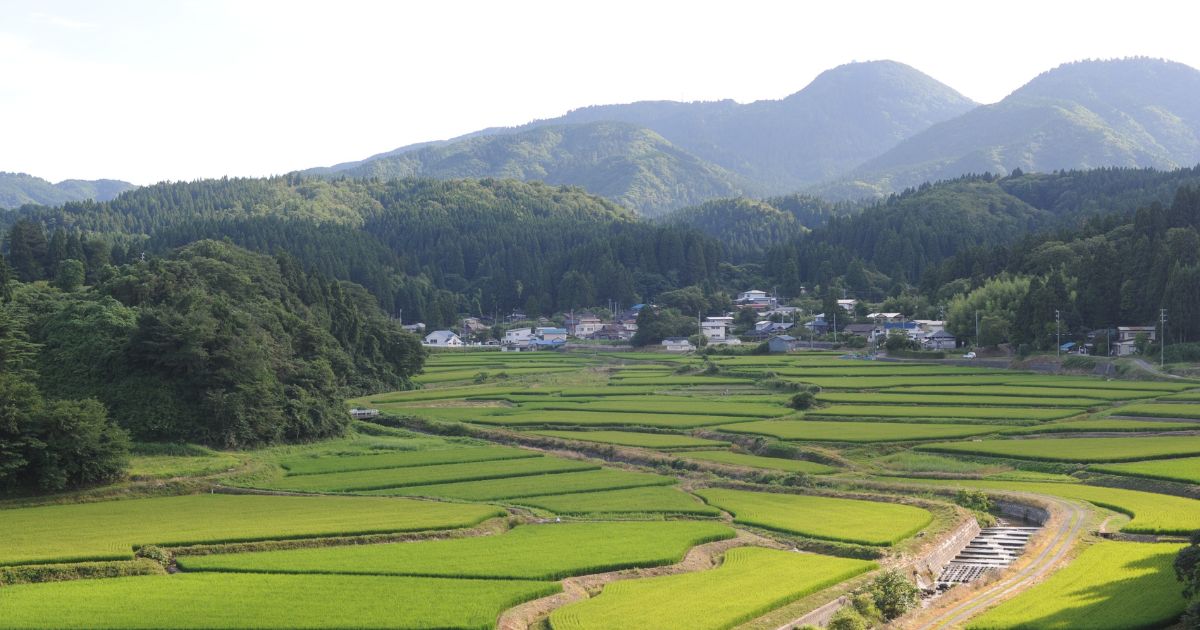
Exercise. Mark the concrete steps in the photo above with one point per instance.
(993, 548)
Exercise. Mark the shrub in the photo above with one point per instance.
(803, 400)
(846, 619)
(864, 605)
(973, 500)
(894, 595)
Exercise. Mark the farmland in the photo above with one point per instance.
(755, 461)
(381, 478)
(939, 411)
(627, 438)
(1110, 586)
(111, 529)
(818, 431)
(750, 582)
(1095, 450)
(843, 520)
(890, 398)
(532, 485)
(400, 459)
(680, 405)
(591, 418)
(1185, 470)
(649, 499)
(1094, 391)
(531, 552)
(1162, 410)
(214, 600)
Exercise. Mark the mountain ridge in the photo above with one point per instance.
(18, 189)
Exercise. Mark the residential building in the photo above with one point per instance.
(757, 300)
(783, 343)
(887, 317)
(518, 335)
(940, 340)
(584, 326)
(547, 333)
(443, 338)
(862, 330)
(1126, 343)
(613, 332)
(677, 344)
(848, 304)
(521, 346)
(716, 329)
(472, 325)
(418, 327)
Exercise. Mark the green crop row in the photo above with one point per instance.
(361, 480)
(1084, 450)
(887, 397)
(1110, 586)
(679, 380)
(1023, 391)
(533, 485)
(757, 461)
(530, 552)
(677, 404)
(944, 411)
(751, 582)
(1104, 425)
(262, 601)
(591, 418)
(1185, 470)
(833, 431)
(629, 438)
(648, 499)
(1161, 410)
(826, 518)
(110, 530)
(400, 459)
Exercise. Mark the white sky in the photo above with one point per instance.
(159, 89)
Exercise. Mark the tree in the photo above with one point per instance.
(993, 331)
(69, 276)
(6, 281)
(894, 594)
(27, 249)
(1187, 571)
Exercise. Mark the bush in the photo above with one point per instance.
(847, 619)
(803, 400)
(864, 605)
(973, 500)
(894, 595)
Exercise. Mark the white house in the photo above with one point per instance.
(677, 344)
(546, 333)
(848, 304)
(360, 414)
(441, 338)
(587, 325)
(518, 335)
(757, 300)
(716, 329)
(1126, 343)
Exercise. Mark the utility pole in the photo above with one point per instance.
(1162, 339)
(1058, 332)
(976, 329)
(835, 324)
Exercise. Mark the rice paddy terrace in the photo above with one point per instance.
(619, 490)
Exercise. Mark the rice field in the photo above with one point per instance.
(757, 461)
(596, 419)
(751, 581)
(263, 601)
(1041, 380)
(660, 381)
(110, 530)
(1184, 470)
(530, 552)
(1084, 450)
(1161, 410)
(1024, 391)
(674, 404)
(378, 479)
(630, 438)
(532, 485)
(837, 431)
(828, 518)
(888, 398)
(400, 459)
(649, 500)
(1110, 586)
(946, 411)
(1104, 425)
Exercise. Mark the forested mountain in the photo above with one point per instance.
(427, 249)
(899, 240)
(18, 189)
(1127, 112)
(630, 165)
(671, 154)
(747, 227)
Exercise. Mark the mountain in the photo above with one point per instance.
(1128, 112)
(670, 154)
(747, 227)
(18, 189)
(630, 165)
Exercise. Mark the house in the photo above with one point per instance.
(1067, 347)
(862, 330)
(716, 329)
(548, 344)
(516, 316)
(930, 325)
(441, 338)
(783, 343)
(677, 344)
(910, 328)
(418, 327)
(1127, 336)
(361, 414)
(472, 325)
(585, 326)
(520, 346)
(889, 317)
(518, 335)
(818, 325)
(547, 333)
(848, 304)
(940, 340)
(757, 300)
(613, 332)
(768, 329)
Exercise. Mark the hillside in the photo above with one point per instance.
(747, 227)
(632, 166)
(678, 154)
(18, 189)
(1128, 113)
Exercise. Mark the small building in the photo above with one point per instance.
(677, 344)
(783, 343)
(518, 335)
(585, 326)
(418, 327)
(613, 332)
(443, 338)
(523, 346)
(547, 333)
(848, 304)
(1127, 336)
(862, 330)
(885, 317)
(940, 340)
(716, 329)
(362, 414)
(757, 300)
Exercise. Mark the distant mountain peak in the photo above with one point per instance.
(18, 189)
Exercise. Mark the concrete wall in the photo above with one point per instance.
(929, 566)
(1020, 510)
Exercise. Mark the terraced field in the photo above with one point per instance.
(263, 601)
(1088, 450)
(401, 459)
(1183, 470)
(1094, 390)
(887, 397)
(945, 411)
(750, 582)
(383, 478)
(817, 431)
(1110, 586)
(532, 485)
(756, 461)
(828, 518)
(629, 438)
(679, 405)
(111, 530)
(649, 500)
(1162, 410)
(595, 419)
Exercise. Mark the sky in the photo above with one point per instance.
(156, 90)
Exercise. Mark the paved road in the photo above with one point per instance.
(1047, 560)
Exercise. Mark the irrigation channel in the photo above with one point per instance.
(994, 548)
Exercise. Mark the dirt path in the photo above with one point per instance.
(699, 558)
(1146, 366)
(1047, 560)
